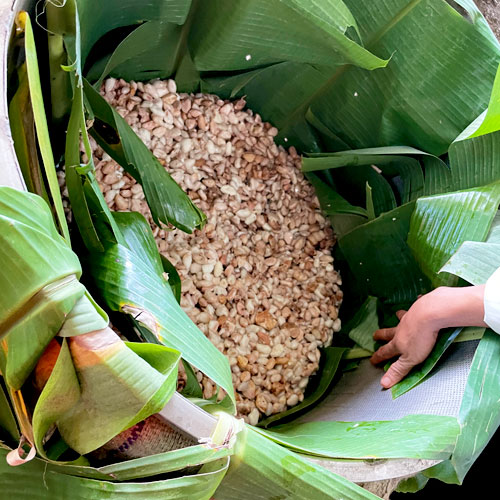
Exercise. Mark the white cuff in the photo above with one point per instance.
(492, 301)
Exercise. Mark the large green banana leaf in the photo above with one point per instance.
(432, 437)
(39, 279)
(153, 465)
(361, 109)
(95, 392)
(441, 223)
(40, 120)
(262, 470)
(381, 261)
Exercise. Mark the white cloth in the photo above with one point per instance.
(492, 301)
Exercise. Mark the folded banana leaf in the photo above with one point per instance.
(98, 386)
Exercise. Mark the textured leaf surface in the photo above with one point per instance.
(274, 31)
(269, 471)
(100, 387)
(40, 119)
(479, 414)
(39, 281)
(414, 436)
(380, 259)
(474, 262)
(475, 155)
(153, 465)
(363, 325)
(442, 223)
(384, 108)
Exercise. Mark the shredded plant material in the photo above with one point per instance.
(258, 279)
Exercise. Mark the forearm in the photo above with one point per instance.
(449, 307)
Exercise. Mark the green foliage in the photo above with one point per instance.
(414, 436)
(337, 76)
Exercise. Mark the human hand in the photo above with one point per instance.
(414, 337)
(412, 340)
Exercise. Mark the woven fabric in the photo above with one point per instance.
(359, 397)
(149, 437)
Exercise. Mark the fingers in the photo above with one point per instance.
(397, 371)
(388, 333)
(386, 352)
(384, 334)
(400, 314)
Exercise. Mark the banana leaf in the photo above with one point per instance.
(419, 373)
(130, 279)
(475, 262)
(425, 369)
(153, 465)
(343, 215)
(84, 194)
(414, 436)
(398, 164)
(34, 254)
(8, 423)
(381, 261)
(168, 203)
(40, 120)
(37, 480)
(479, 415)
(474, 153)
(363, 325)
(23, 134)
(262, 470)
(442, 222)
(95, 393)
(382, 108)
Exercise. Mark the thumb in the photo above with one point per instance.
(396, 372)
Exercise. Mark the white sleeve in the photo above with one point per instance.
(492, 301)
